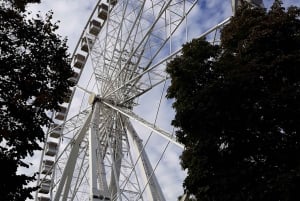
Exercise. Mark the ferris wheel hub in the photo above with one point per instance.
(97, 98)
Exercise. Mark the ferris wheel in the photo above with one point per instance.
(98, 147)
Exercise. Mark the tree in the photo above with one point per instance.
(20, 4)
(34, 76)
(238, 108)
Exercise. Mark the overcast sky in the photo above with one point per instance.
(73, 15)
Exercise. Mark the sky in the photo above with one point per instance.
(73, 16)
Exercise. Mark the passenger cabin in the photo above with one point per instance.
(95, 27)
(60, 115)
(112, 2)
(86, 44)
(47, 166)
(45, 186)
(79, 61)
(56, 131)
(68, 95)
(103, 11)
(42, 198)
(51, 148)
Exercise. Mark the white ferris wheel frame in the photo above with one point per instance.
(128, 45)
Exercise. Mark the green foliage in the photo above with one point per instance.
(238, 108)
(34, 76)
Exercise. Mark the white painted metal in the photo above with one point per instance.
(131, 115)
(126, 44)
(65, 181)
(98, 190)
(149, 176)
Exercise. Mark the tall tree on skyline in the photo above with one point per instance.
(34, 76)
(238, 108)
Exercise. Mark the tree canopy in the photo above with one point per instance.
(238, 108)
(34, 76)
(20, 4)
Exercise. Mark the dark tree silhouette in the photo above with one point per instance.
(34, 72)
(238, 108)
(20, 4)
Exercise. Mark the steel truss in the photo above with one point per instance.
(97, 154)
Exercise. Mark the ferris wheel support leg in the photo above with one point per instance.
(156, 192)
(70, 165)
(116, 158)
(97, 192)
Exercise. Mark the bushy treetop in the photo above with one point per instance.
(34, 72)
(238, 108)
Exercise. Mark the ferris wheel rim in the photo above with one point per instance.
(106, 102)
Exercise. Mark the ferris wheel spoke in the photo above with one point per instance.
(154, 39)
(137, 86)
(133, 116)
(155, 74)
(136, 44)
(117, 53)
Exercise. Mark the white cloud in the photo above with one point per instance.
(73, 15)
